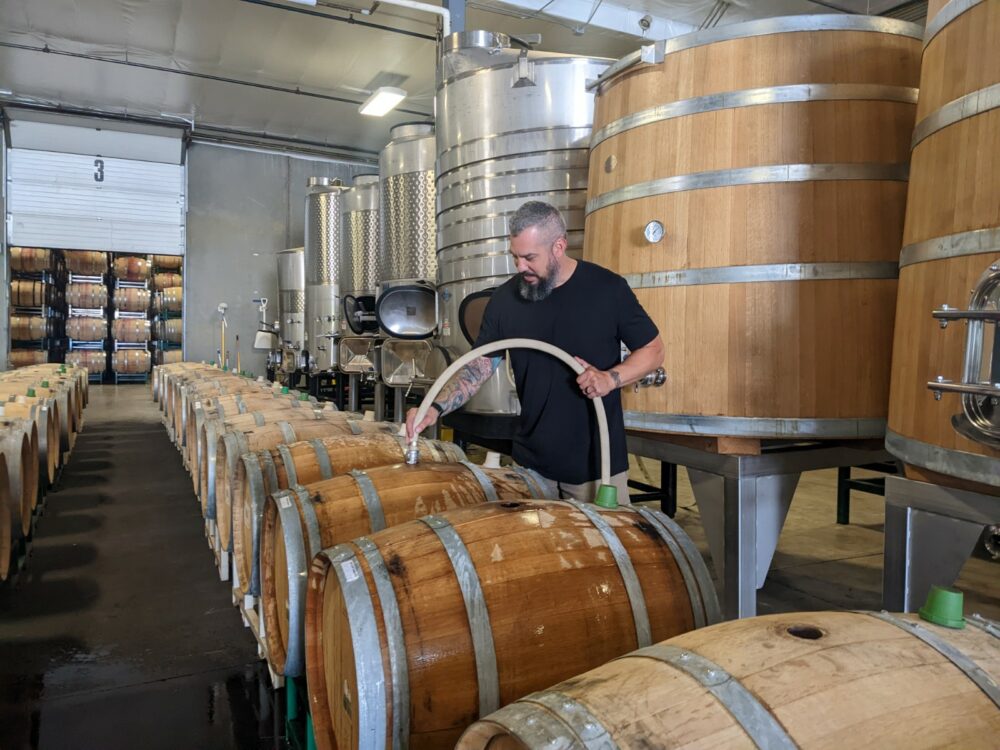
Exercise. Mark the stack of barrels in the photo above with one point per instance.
(130, 330)
(87, 324)
(167, 309)
(37, 305)
(41, 413)
(442, 578)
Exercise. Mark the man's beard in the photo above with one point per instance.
(542, 288)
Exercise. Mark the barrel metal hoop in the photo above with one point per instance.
(220, 410)
(987, 626)
(961, 464)
(489, 491)
(238, 398)
(242, 446)
(487, 675)
(776, 173)
(587, 728)
(757, 721)
(258, 495)
(952, 246)
(355, 427)
(696, 424)
(367, 649)
(309, 518)
(793, 94)
(294, 402)
(271, 471)
(948, 13)
(764, 273)
(297, 566)
(398, 664)
(287, 432)
(971, 105)
(322, 458)
(533, 480)
(258, 419)
(950, 652)
(643, 634)
(535, 726)
(370, 496)
(698, 606)
(289, 464)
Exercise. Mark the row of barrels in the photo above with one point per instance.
(416, 600)
(41, 413)
(93, 263)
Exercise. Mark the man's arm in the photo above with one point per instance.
(456, 393)
(636, 366)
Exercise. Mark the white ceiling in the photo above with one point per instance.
(163, 58)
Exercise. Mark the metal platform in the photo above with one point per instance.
(126, 315)
(87, 312)
(130, 346)
(88, 346)
(131, 377)
(75, 278)
(930, 532)
(125, 284)
(743, 501)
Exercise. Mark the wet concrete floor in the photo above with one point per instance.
(119, 633)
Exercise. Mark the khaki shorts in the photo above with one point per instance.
(586, 492)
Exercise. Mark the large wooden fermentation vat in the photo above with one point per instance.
(751, 188)
(951, 258)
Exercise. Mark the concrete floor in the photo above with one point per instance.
(120, 635)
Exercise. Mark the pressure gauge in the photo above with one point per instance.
(653, 232)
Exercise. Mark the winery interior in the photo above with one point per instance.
(515, 375)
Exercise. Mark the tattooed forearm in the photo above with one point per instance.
(466, 383)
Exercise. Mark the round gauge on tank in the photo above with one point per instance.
(653, 232)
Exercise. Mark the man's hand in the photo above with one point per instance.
(430, 418)
(595, 383)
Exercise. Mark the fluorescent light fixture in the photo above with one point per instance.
(303, 2)
(382, 100)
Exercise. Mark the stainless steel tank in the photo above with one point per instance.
(292, 297)
(530, 143)
(407, 303)
(323, 247)
(359, 262)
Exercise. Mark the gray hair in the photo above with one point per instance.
(537, 214)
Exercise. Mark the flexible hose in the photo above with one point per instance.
(413, 454)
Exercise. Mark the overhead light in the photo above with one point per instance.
(303, 2)
(382, 100)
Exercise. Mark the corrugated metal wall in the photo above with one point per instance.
(243, 207)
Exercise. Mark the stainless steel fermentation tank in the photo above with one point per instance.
(323, 249)
(407, 303)
(291, 307)
(359, 261)
(530, 143)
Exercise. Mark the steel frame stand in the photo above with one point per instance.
(930, 532)
(354, 393)
(743, 501)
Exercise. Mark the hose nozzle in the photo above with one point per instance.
(413, 454)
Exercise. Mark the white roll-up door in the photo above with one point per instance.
(77, 186)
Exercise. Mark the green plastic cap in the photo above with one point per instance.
(944, 607)
(225, 368)
(31, 393)
(45, 384)
(607, 496)
(284, 389)
(303, 397)
(62, 369)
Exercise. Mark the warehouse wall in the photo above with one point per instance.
(243, 207)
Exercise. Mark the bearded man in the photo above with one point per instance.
(583, 309)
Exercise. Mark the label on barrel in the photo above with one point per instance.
(285, 502)
(351, 570)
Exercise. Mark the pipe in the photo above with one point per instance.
(426, 8)
(413, 453)
(349, 19)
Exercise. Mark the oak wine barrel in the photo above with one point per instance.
(30, 328)
(130, 299)
(804, 680)
(19, 445)
(131, 268)
(86, 295)
(416, 631)
(756, 210)
(164, 280)
(94, 362)
(87, 262)
(7, 535)
(86, 329)
(26, 357)
(171, 299)
(130, 361)
(168, 262)
(25, 293)
(130, 330)
(30, 259)
(45, 415)
(169, 356)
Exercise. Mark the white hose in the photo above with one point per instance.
(413, 454)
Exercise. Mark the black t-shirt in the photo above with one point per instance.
(589, 316)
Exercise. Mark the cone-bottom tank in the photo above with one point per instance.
(323, 248)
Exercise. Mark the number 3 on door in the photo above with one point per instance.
(99, 173)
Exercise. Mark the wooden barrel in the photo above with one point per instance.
(86, 329)
(130, 299)
(748, 249)
(172, 299)
(29, 293)
(169, 356)
(164, 280)
(88, 296)
(94, 362)
(29, 327)
(26, 357)
(131, 268)
(299, 522)
(19, 445)
(187, 392)
(130, 361)
(30, 259)
(260, 474)
(172, 330)
(277, 435)
(130, 330)
(951, 259)
(168, 262)
(773, 682)
(69, 404)
(7, 535)
(164, 372)
(446, 619)
(45, 415)
(87, 262)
